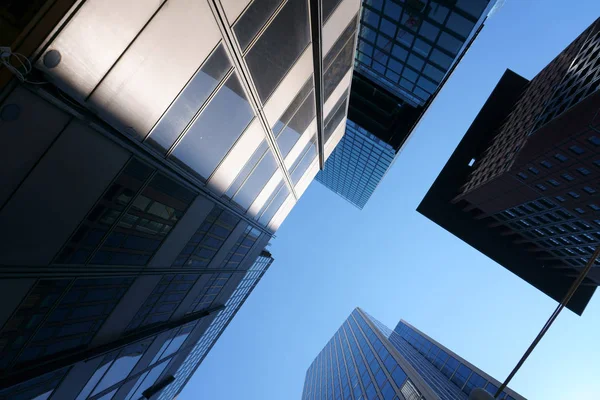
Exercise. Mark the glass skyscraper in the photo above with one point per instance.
(366, 360)
(154, 149)
(406, 50)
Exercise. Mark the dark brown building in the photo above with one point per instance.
(523, 185)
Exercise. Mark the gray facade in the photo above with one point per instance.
(145, 173)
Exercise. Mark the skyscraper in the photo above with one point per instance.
(521, 186)
(367, 360)
(155, 147)
(406, 52)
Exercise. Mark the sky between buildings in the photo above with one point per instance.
(394, 263)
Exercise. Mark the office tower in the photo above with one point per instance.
(155, 147)
(367, 360)
(406, 52)
(521, 187)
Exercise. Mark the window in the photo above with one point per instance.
(228, 113)
(595, 140)
(429, 31)
(553, 182)
(583, 171)
(193, 96)
(339, 67)
(546, 164)
(576, 149)
(392, 10)
(449, 43)
(433, 73)
(460, 25)
(441, 59)
(560, 198)
(561, 157)
(284, 40)
(580, 210)
(573, 194)
(399, 52)
(567, 177)
(534, 170)
(594, 207)
(541, 187)
(589, 190)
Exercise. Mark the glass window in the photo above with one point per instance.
(279, 47)
(398, 376)
(216, 130)
(422, 48)
(399, 52)
(410, 74)
(441, 59)
(193, 96)
(304, 161)
(437, 12)
(365, 48)
(335, 117)
(449, 43)
(427, 84)
(392, 76)
(473, 7)
(338, 68)
(345, 36)
(546, 164)
(392, 10)
(368, 34)
(329, 7)
(583, 171)
(461, 375)
(567, 177)
(257, 180)
(289, 135)
(595, 140)
(370, 17)
(450, 366)
(460, 24)
(405, 37)
(145, 381)
(395, 66)
(388, 27)
(576, 149)
(429, 31)
(380, 57)
(561, 157)
(271, 208)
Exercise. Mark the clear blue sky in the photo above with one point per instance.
(394, 263)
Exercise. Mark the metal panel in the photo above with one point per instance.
(233, 8)
(338, 21)
(155, 68)
(289, 87)
(57, 195)
(25, 139)
(237, 157)
(93, 40)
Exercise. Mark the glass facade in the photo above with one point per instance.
(367, 360)
(408, 47)
(357, 165)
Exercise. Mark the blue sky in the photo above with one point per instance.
(394, 263)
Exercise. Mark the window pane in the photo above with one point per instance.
(429, 31)
(248, 168)
(306, 158)
(328, 8)
(347, 34)
(168, 129)
(434, 73)
(279, 47)
(334, 118)
(253, 19)
(441, 59)
(273, 207)
(257, 180)
(214, 132)
(473, 7)
(449, 42)
(292, 132)
(460, 24)
(339, 68)
(123, 365)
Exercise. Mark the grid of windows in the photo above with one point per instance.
(527, 115)
(57, 315)
(40, 388)
(218, 325)
(357, 165)
(208, 239)
(129, 222)
(564, 235)
(355, 364)
(424, 354)
(410, 46)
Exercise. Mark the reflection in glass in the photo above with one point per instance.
(335, 117)
(280, 195)
(145, 381)
(338, 68)
(216, 130)
(279, 47)
(253, 19)
(193, 96)
(247, 169)
(289, 135)
(256, 181)
(304, 161)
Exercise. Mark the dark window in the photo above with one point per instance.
(460, 24)
(580, 210)
(594, 207)
(583, 171)
(546, 164)
(339, 67)
(589, 190)
(541, 187)
(567, 177)
(576, 149)
(449, 43)
(257, 14)
(560, 198)
(573, 195)
(553, 182)
(534, 170)
(561, 157)
(595, 140)
(279, 47)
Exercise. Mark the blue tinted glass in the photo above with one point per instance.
(370, 18)
(460, 24)
(214, 132)
(449, 42)
(168, 129)
(388, 27)
(399, 52)
(429, 31)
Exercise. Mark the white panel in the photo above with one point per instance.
(300, 144)
(335, 138)
(237, 157)
(233, 8)
(338, 21)
(282, 213)
(307, 178)
(93, 40)
(289, 86)
(340, 90)
(25, 139)
(157, 66)
(265, 193)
